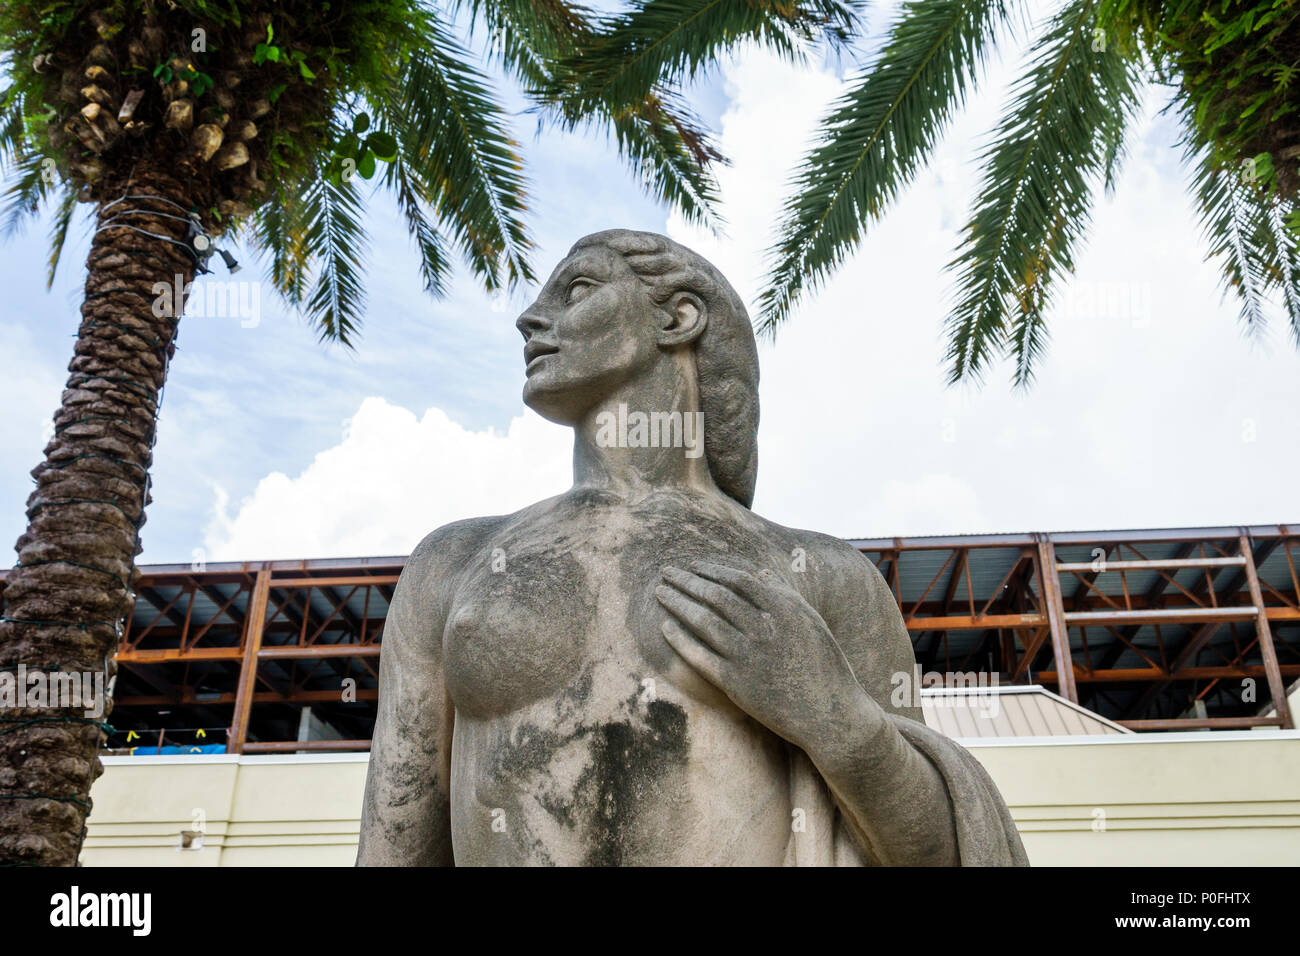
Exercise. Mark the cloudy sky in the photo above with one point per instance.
(1150, 410)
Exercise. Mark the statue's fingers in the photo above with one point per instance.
(731, 606)
(701, 620)
(751, 587)
(695, 652)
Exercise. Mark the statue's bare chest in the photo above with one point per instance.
(544, 603)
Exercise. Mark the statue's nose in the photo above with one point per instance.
(531, 322)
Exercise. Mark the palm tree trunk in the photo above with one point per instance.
(66, 600)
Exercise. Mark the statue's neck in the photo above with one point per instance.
(647, 436)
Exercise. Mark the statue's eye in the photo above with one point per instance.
(578, 290)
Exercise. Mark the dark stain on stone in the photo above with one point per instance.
(579, 692)
(631, 764)
(577, 499)
(530, 751)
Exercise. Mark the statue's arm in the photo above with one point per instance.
(892, 797)
(406, 814)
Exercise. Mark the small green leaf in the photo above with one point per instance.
(383, 145)
(366, 165)
(275, 91)
(264, 52)
(361, 123)
(306, 73)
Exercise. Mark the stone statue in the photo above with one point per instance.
(642, 670)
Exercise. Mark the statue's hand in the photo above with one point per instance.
(766, 648)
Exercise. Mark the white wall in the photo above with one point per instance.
(1169, 799)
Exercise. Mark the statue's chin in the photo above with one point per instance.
(550, 404)
(565, 395)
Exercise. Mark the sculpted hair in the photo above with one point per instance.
(726, 356)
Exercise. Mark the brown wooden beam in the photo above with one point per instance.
(1268, 652)
(281, 627)
(1032, 647)
(168, 655)
(1168, 615)
(1128, 675)
(290, 746)
(1208, 723)
(171, 655)
(1049, 584)
(190, 698)
(254, 620)
(975, 622)
(954, 580)
(295, 651)
(342, 581)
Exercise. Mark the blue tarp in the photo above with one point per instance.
(171, 751)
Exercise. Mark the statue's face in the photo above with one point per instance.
(592, 328)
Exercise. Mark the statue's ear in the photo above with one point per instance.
(685, 316)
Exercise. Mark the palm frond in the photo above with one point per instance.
(666, 147)
(1286, 254)
(1027, 333)
(63, 215)
(1036, 192)
(1231, 226)
(333, 212)
(661, 43)
(13, 125)
(435, 261)
(672, 155)
(529, 35)
(278, 233)
(27, 192)
(875, 139)
(452, 137)
(1114, 152)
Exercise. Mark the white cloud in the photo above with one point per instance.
(391, 480)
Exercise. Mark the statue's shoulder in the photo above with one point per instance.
(842, 558)
(449, 547)
(452, 542)
(832, 559)
(850, 593)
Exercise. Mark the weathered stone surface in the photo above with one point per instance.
(642, 670)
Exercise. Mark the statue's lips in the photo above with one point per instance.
(534, 351)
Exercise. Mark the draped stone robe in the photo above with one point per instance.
(986, 834)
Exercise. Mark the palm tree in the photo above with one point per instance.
(184, 122)
(1231, 65)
